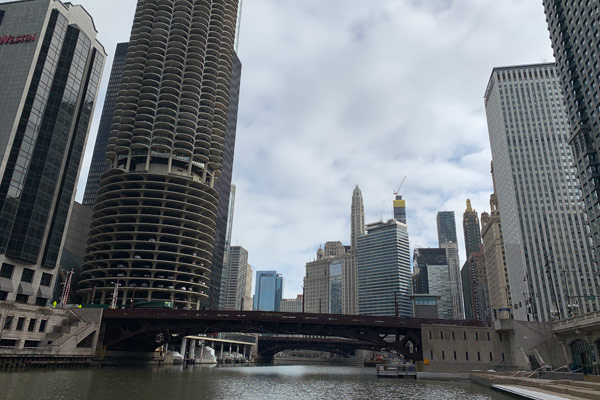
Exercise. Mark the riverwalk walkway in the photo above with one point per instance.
(540, 389)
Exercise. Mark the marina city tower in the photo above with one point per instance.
(153, 229)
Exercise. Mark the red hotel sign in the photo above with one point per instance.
(17, 39)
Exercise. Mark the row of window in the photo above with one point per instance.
(7, 271)
(9, 324)
(487, 337)
(466, 358)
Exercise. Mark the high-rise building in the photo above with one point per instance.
(323, 280)
(547, 255)
(292, 305)
(495, 260)
(471, 230)
(383, 270)
(573, 27)
(156, 210)
(224, 190)
(446, 227)
(357, 228)
(247, 306)
(400, 209)
(51, 66)
(98, 165)
(268, 291)
(234, 284)
(432, 277)
(475, 288)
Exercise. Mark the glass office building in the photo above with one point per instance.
(383, 270)
(51, 66)
(268, 291)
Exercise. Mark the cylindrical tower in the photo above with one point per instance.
(154, 222)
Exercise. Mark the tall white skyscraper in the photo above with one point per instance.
(357, 228)
(234, 283)
(543, 222)
(383, 270)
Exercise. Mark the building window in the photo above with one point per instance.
(3, 295)
(478, 356)
(454, 356)
(27, 275)
(489, 338)
(46, 279)
(40, 301)
(8, 322)
(491, 357)
(476, 336)
(443, 355)
(31, 343)
(22, 298)
(31, 327)
(429, 334)
(7, 271)
(453, 338)
(500, 335)
(502, 357)
(20, 323)
(441, 335)
(1, 16)
(431, 354)
(43, 325)
(467, 356)
(465, 334)
(8, 343)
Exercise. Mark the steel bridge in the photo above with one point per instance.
(148, 329)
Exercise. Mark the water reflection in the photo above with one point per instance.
(252, 382)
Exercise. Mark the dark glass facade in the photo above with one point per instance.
(223, 188)
(98, 165)
(38, 183)
(446, 227)
(471, 230)
(422, 258)
(575, 35)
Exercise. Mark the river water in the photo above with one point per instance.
(235, 383)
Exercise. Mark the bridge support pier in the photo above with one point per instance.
(183, 347)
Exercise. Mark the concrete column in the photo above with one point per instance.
(201, 352)
(193, 351)
(183, 347)
(221, 358)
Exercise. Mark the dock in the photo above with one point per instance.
(396, 371)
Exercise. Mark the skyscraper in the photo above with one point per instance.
(383, 270)
(446, 227)
(51, 66)
(471, 230)
(357, 228)
(224, 189)
(234, 284)
(495, 262)
(432, 276)
(98, 165)
(475, 288)
(268, 291)
(547, 255)
(400, 209)
(157, 205)
(573, 27)
(323, 280)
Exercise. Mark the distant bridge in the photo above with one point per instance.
(268, 346)
(148, 329)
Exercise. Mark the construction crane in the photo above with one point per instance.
(400, 187)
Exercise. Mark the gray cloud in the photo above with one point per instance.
(348, 92)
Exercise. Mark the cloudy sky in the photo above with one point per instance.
(343, 92)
